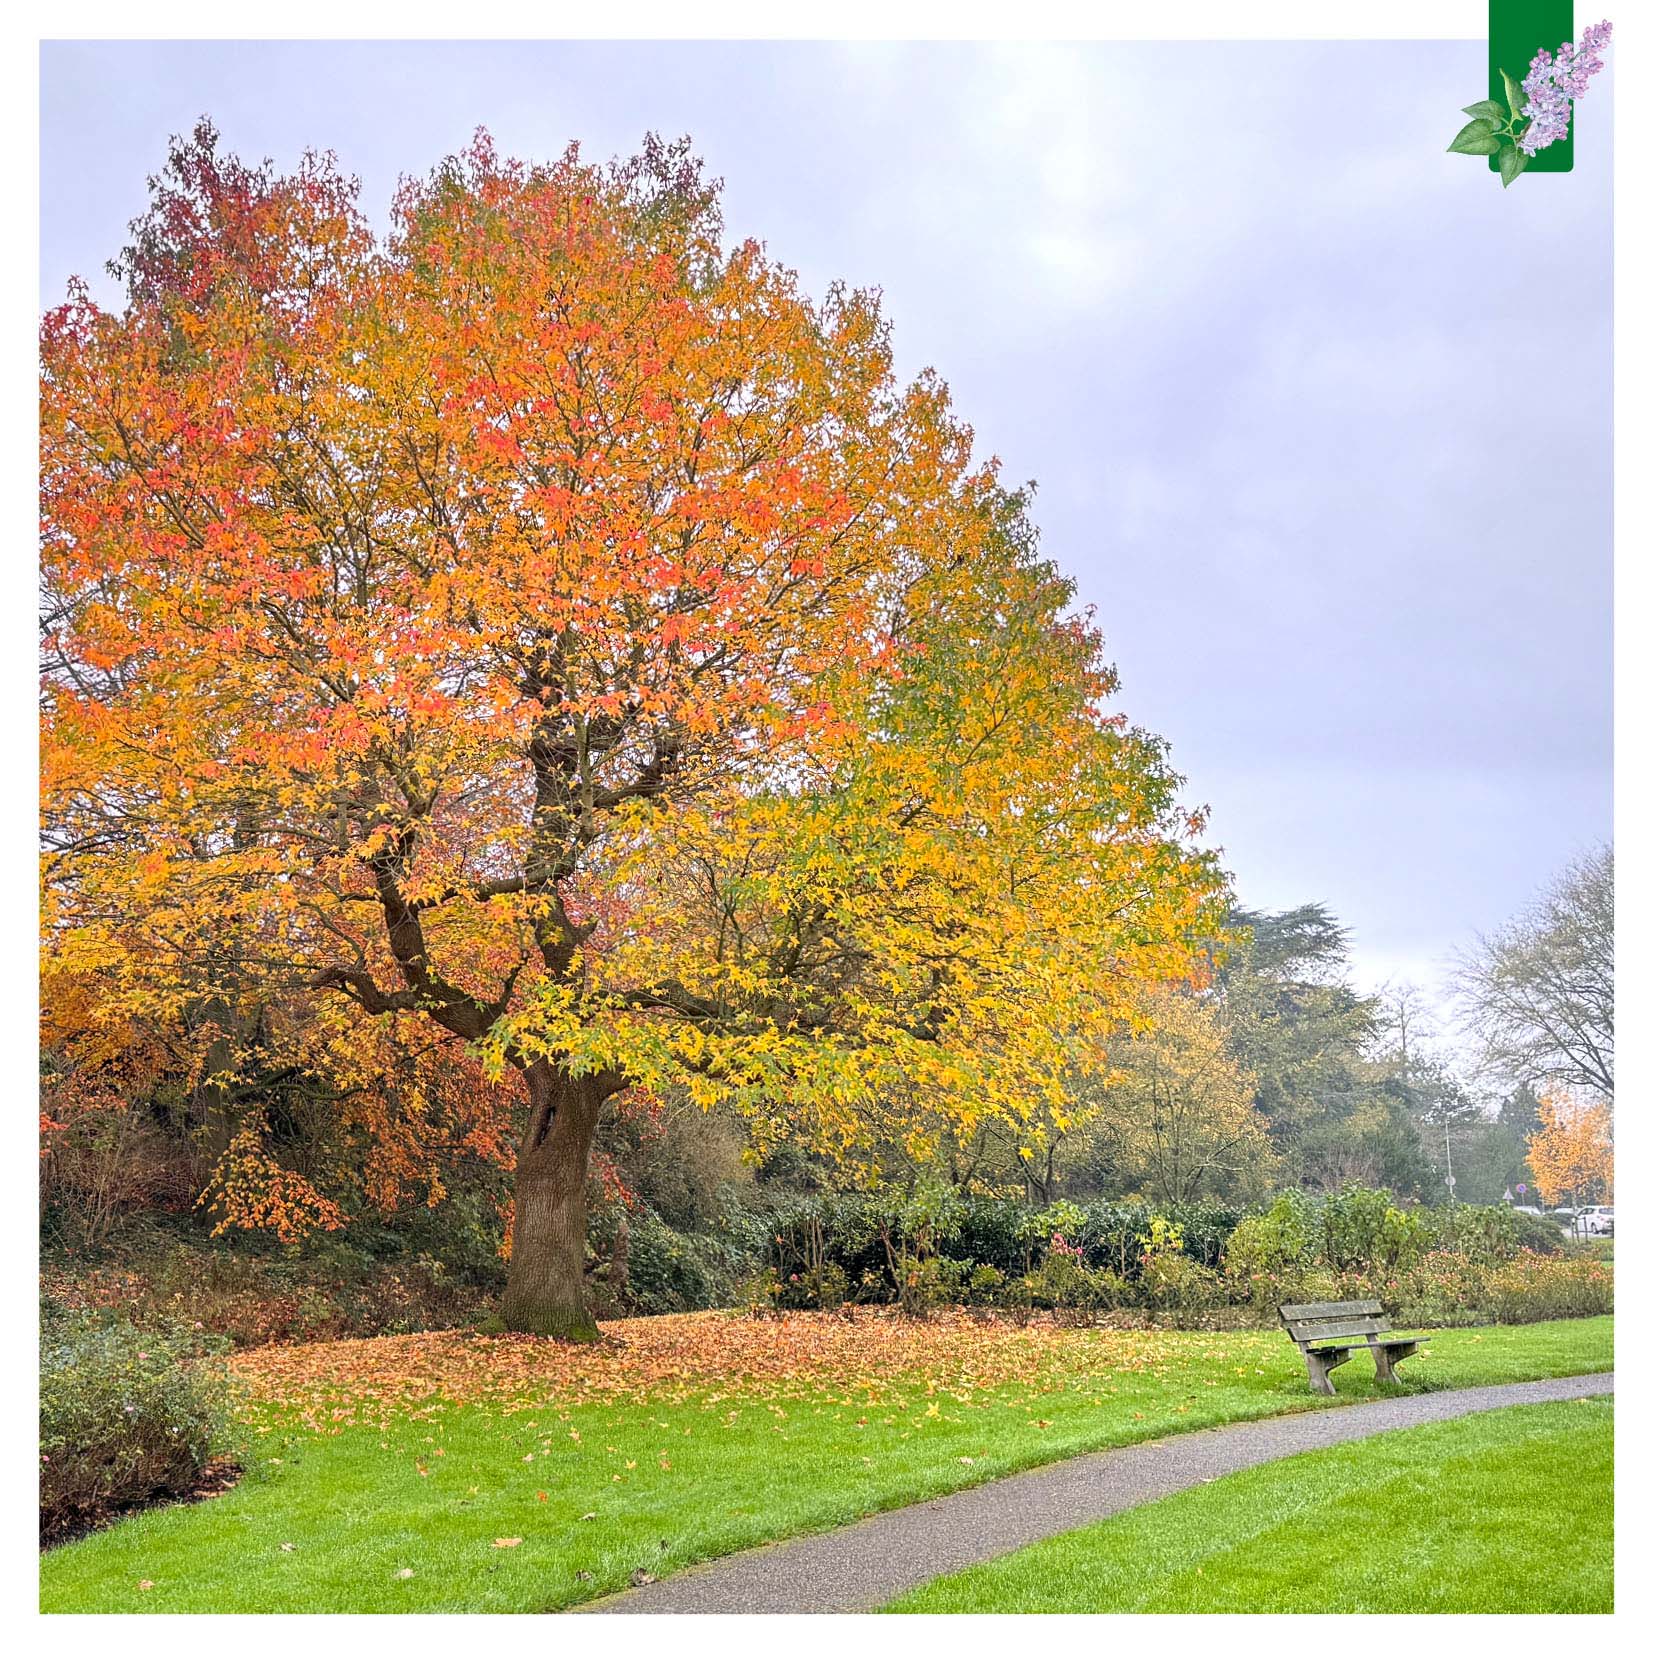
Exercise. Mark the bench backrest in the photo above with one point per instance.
(1354, 1318)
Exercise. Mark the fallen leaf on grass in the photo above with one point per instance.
(146, 1584)
(404, 1573)
(368, 1382)
(641, 1576)
(506, 1544)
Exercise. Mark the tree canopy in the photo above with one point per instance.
(543, 638)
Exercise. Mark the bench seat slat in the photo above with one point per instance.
(1317, 1348)
(1330, 1312)
(1356, 1326)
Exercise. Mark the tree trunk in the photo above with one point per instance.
(545, 1289)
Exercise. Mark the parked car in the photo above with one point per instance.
(1594, 1220)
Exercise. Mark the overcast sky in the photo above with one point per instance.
(1320, 416)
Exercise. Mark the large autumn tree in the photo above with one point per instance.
(547, 627)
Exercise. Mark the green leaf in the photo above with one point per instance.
(1488, 110)
(1511, 163)
(1513, 92)
(1475, 139)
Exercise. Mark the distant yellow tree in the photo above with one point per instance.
(1180, 1108)
(1572, 1154)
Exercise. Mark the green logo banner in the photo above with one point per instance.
(1516, 31)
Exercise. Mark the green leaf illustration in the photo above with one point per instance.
(1488, 110)
(1511, 163)
(1513, 91)
(1475, 139)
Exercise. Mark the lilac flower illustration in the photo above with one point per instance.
(1538, 108)
(1552, 83)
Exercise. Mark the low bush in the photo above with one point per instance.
(1536, 1234)
(1449, 1289)
(984, 1285)
(1276, 1244)
(1443, 1289)
(128, 1415)
(279, 1296)
(670, 1271)
(1531, 1288)
(1486, 1234)
(1075, 1292)
(1291, 1247)
(1180, 1289)
(1362, 1228)
(1444, 1267)
(922, 1249)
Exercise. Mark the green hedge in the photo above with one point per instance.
(871, 1239)
(936, 1246)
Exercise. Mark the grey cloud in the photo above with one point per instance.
(1270, 353)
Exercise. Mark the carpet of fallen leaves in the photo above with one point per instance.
(709, 1356)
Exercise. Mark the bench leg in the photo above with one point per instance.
(1385, 1357)
(1321, 1364)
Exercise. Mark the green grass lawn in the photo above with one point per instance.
(401, 1512)
(1510, 1512)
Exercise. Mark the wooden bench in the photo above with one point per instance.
(1329, 1334)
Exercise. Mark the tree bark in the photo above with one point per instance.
(545, 1289)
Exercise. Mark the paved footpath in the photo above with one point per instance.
(855, 1569)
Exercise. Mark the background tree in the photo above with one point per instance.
(1450, 1120)
(1348, 1084)
(1539, 994)
(1404, 1027)
(1296, 1023)
(548, 631)
(1497, 1158)
(1366, 1135)
(1179, 1113)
